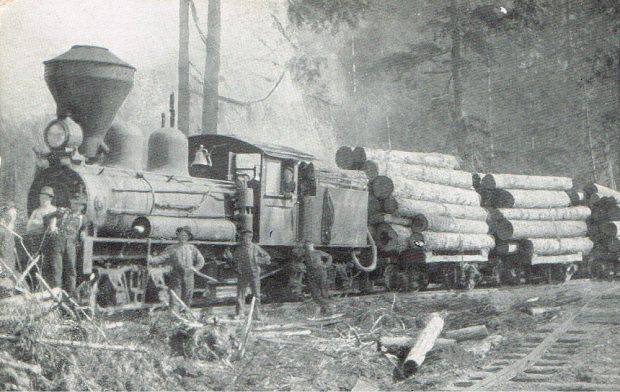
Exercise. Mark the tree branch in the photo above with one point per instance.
(202, 35)
(282, 31)
(245, 103)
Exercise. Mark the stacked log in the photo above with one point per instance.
(536, 216)
(422, 202)
(604, 224)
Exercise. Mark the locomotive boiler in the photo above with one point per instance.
(134, 206)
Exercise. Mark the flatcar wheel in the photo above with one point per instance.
(449, 277)
(390, 277)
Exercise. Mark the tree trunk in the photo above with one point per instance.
(184, 91)
(514, 181)
(556, 246)
(410, 208)
(542, 214)
(437, 223)
(521, 229)
(459, 134)
(210, 87)
(424, 343)
(469, 333)
(450, 177)
(402, 188)
(433, 159)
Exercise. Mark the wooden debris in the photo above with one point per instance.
(76, 344)
(401, 345)
(22, 299)
(469, 333)
(424, 343)
(276, 334)
(246, 331)
(365, 385)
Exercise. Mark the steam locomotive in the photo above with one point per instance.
(134, 208)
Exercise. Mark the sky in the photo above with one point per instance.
(144, 33)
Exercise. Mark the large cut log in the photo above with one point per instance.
(520, 230)
(542, 214)
(601, 190)
(374, 205)
(344, 158)
(605, 214)
(556, 246)
(577, 198)
(354, 179)
(410, 208)
(456, 178)
(393, 238)
(400, 187)
(519, 198)
(446, 224)
(424, 343)
(375, 219)
(516, 181)
(469, 333)
(452, 241)
(610, 229)
(363, 154)
(401, 345)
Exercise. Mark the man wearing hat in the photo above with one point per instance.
(316, 275)
(66, 228)
(248, 256)
(36, 229)
(288, 185)
(183, 257)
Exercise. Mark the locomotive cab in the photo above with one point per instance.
(269, 172)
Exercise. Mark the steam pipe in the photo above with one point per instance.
(172, 119)
(372, 265)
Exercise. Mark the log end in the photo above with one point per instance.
(382, 187)
(344, 158)
(488, 182)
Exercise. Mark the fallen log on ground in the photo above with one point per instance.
(516, 181)
(76, 344)
(401, 345)
(542, 214)
(521, 229)
(424, 343)
(31, 297)
(276, 334)
(469, 333)
(455, 178)
(400, 187)
(445, 224)
(601, 191)
(556, 246)
(539, 311)
(363, 154)
(344, 157)
(410, 208)
(519, 198)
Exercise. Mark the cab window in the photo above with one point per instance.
(273, 179)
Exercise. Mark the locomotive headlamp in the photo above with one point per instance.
(63, 133)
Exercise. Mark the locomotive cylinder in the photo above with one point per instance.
(202, 229)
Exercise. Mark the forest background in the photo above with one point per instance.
(512, 86)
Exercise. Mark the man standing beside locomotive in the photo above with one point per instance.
(248, 256)
(316, 274)
(184, 257)
(65, 231)
(36, 230)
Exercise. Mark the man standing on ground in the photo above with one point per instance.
(316, 275)
(36, 230)
(248, 257)
(65, 232)
(183, 257)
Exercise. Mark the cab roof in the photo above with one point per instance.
(235, 142)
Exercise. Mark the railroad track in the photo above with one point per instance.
(549, 352)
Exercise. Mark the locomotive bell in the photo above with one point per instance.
(200, 158)
(89, 84)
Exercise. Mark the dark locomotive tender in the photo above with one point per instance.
(134, 207)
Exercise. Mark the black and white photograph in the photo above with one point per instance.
(309, 195)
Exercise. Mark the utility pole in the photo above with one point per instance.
(210, 89)
(184, 92)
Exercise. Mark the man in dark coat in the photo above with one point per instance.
(316, 275)
(248, 257)
(183, 257)
(65, 232)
